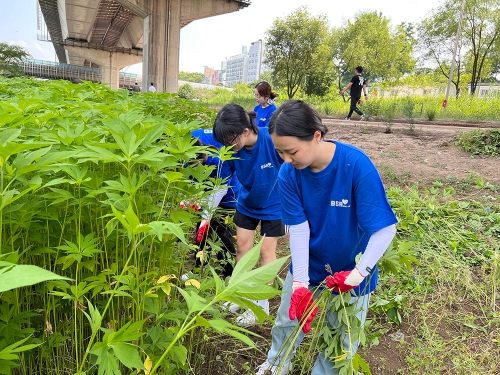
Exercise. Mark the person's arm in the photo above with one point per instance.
(376, 247)
(365, 90)
(346, 88)
(299, 248)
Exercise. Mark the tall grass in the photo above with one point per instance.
(466, 107)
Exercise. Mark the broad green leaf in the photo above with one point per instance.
(179, 353)
(161, 228)
(128, 355)
(194, 301)
(93, 316)
(24, 275)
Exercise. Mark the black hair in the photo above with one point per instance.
(231, 121)
(264, 89)
(359, 69)
(152, 84)
(296, 118)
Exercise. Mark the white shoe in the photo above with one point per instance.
(266, 366)
(347, 118)
(231, 307)
(186, 276)
(362, 117)
(248, 318)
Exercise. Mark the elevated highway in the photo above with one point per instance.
(112, 34)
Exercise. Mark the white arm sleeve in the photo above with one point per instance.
(213, 201)
(376, 247)
(299, 247)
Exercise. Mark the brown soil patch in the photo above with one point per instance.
(423, 156)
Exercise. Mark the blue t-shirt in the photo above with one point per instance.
(264, 115)
(257, 171)
(344, 204)
(207, 138)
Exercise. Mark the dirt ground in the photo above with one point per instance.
(404, 158)
(423, 156)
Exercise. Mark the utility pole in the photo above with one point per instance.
(445, 101)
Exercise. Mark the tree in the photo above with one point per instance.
(293, 48)
(320, 79)
(476, 44)
(369, 41)
(191, 77)
(10, 58)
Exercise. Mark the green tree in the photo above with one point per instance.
(477, 42)
(191, 77)
(385, 53)
(10, 57)
(320, 79)
(293, 46)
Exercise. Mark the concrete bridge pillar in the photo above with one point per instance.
(163, 20)
(161, 44)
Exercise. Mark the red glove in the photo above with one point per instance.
(202, 230)
(300, 304)
(359, 101)
(344, 281)
(194, 206)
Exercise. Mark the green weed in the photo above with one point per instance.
(480, 142)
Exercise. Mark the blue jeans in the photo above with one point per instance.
(283, 328)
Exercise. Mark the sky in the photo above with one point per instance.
(209, 41)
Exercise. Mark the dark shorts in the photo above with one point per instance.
(270, 228)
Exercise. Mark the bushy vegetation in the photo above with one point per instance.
(90, 185)
(406, 108)
(480, 142)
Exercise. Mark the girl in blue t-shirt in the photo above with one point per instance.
(334, 201)
(265, 107)
(257, 165)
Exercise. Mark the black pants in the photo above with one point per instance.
(354, 108)
(226, 234)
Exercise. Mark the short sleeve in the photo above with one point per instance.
(291, 202)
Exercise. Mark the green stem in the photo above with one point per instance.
(94, 334)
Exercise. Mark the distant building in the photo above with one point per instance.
(255, 61)
(211, 76)
(237, 68)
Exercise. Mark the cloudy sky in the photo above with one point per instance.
(209, 41)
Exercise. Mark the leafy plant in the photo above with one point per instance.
(480, 142)
(431, 114)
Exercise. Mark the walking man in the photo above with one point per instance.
(357, 83)
(152, 88)
(136, 88)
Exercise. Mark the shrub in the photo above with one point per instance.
(480, 142)
(431, 114)
(186, 91)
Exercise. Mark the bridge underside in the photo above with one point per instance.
(112, 34)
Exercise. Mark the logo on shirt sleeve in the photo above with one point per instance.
(344, 203)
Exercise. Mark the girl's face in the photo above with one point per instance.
(260, 99)
(300, 154)
(239, 141)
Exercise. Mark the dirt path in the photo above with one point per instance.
(426, 155)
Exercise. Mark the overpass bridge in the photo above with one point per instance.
(75, 73)
(112, 34)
